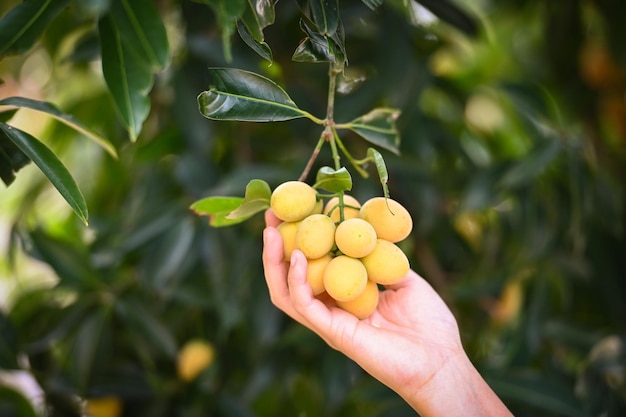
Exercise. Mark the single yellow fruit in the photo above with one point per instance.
(318, 208)
(194, 357)
(288, 232)
(364, 304)
(292, 201)
(315, 236)
(387, 264)
(390, 219)
(110, 406)
(355, 237)
(345, 278)
(348, 212)
(315, 273)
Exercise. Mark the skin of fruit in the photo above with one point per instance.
(315, 236)
(345, 278)
(348, 212)
(110, 406)
(288, 232)
(315, 273)
(355, 237)
(387, 264)
(292, 201)
(390, 219)
(194, 357)
(364, 304)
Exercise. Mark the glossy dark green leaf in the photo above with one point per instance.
(453, 14)
(68, 119)
(381, 169)
(258, 15)
(246, 96)
(7, 115)
(140, 27)
(325, 14)
(52, 168)
(373, 4)
(128, 78)
(217, 208)
(378, 127)
(260, 47)
(13, 403)
(92, 8)
(256, 199)
(12, 159)
(316, 47)
(333, 180)
(22, 26)
(227, 12)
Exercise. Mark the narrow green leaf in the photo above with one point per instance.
(247, 96)
(378, 127)
(531, 166)
(325, 14)
(140, 26)
(373, 4)
(381, 168)
(314, 48)
(52, 168)
(129, 79)
(453, 14)
(22, 26)
(217, 208)
(12, 159)
(259, 47)
(227, 12)
(86, 344)
(258, 15)
(65, 118)
(333, 180)
(256, 199)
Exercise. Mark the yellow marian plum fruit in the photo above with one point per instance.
(315, 273)
(292, 201)
(387, 264)
(194, 357)
(345, 278)
(390, 219)
(318, 208)
(332, 207)
(364, 304)
(110, 406)
(355, 237)
(288, 232)
(315, 236)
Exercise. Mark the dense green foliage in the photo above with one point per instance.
(512, 163)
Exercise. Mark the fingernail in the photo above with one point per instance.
(293, 259)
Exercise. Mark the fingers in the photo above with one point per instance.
(271, 219)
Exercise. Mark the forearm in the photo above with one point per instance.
(456, 390)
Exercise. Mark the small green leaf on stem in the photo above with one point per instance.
(217, 208)
(377, 127)
(333, 180)
(381, 168)
(256, 199)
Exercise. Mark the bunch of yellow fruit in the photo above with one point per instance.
(350, 248)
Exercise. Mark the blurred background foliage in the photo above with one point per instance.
(513, 161)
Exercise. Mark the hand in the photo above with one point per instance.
(411, 342)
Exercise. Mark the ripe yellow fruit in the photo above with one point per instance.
(194, 357)
(390, 219)
(315, 236)
(318, 208)
(345, 278)
(315, 273)
(110, 406)
(292, 201)
(364, 304)
(288, 232)
(355, 237)
(348, 212)
(387, 264)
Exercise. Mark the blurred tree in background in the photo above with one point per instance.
(512, 163)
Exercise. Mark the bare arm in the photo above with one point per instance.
(411, 343)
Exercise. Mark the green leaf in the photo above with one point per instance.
(256, 199)
(22, 26)
(129, 78)
(258, 15)
(259, 47)
(333, 180)
(140, 27)
(65, 118)
(531, 166)
(52, 168)
(378, 127)
(319, 48)
(217, 208)
(12, 159)
(227, 12)
(381, 168)
(14, 403)
(145, 328)
(85, 346)
(247, 96)
(325, 14)
(453, 14)
(373, 4)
